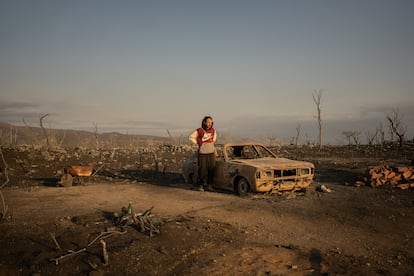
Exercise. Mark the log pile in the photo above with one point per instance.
(399, 177)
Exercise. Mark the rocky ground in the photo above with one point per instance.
(52, 230)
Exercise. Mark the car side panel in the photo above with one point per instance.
(222, 178)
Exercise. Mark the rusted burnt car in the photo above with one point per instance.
(252, 167)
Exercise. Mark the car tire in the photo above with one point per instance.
(303, 190)
(243, 187)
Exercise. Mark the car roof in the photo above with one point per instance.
(243, 144)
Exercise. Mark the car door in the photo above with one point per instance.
(222, 178)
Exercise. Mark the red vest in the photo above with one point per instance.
(205, 136)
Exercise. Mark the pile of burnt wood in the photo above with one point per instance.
(399, 176)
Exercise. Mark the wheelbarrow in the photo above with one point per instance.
(74, 172)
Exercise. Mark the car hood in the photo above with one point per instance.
(273, 163)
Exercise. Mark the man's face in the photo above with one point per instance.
(209, 123)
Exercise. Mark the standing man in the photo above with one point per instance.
(205, 137)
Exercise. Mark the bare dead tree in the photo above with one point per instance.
(355, 137)
(352, 136)
(172, 138)
(31, 132)
(396, 126)
(43, 129)
(371, 136)
(63, 139)
(52, 134)
(317, 95)
(32, 154)
(297, 135)
(271, 139)
(348, 135)
(382, 133)
(13, 136)
(95, 132)
(3, 215)
(380, 139)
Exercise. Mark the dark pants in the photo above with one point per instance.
(206, 165)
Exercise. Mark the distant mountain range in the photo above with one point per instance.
(36, 136)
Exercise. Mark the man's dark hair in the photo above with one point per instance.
(203, 123)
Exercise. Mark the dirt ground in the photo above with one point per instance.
(51, 230)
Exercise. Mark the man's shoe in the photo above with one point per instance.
(210, 188)
(201, 188)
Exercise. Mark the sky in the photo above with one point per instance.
(144, 67)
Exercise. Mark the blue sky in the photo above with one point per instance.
(146, 66)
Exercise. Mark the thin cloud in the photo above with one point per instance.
(14, 111)
(13, 107)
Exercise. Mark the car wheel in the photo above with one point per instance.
(243, 187)
(303, 190)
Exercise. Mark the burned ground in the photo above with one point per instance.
(351, 230)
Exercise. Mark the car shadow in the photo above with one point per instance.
(54, 182)
(48, 181)
(164, 179)
(338, 176)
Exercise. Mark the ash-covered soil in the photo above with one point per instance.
(52, 230)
